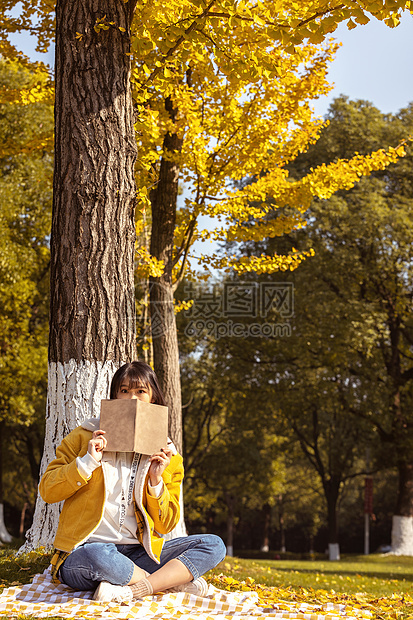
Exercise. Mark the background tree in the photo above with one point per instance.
(234, 466)
(371, 231)
(26, 126)
(294, 389)
(234, 434)
(353, 303)
(214, 130)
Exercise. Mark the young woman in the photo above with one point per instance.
(116, 507)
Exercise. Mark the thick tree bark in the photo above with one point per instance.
(163, 324)
(92, 314)
(405, 497)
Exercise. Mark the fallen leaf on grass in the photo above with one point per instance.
(276, 597)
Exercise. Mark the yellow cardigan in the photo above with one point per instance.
(84, 500)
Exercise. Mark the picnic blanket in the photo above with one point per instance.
(42, 599)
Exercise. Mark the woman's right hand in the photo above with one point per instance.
(97, 444)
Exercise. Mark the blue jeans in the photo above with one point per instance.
(92, 563)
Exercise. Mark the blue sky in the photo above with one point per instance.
(374, 63)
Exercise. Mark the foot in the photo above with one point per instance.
(108, 592)
(199, 587)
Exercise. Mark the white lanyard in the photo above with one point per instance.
(126, 500)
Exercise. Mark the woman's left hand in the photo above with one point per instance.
(159, 462)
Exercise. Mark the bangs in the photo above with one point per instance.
(134, 378)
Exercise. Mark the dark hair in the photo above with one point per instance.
(136, 374)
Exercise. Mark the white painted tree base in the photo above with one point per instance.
(333, 552)
(402, 536)
(4, 535)
(74, 392)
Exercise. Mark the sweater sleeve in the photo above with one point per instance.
(62, 478)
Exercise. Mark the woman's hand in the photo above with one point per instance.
(159, 462)
(97, 444)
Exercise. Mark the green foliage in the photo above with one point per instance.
(362, 240)
(229, 455)
(239, 462)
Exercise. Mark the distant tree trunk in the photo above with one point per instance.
(92, 313)
(402, 528)
(230, 502)
(4, 534)
(23, 518)
(311, 550)
(331, 490)
(163, 324)
(281, 524)
(402, 525)
(265, 546)
(32, 442)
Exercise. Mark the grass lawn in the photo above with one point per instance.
(381, 584)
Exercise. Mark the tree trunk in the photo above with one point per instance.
(230, 523)
(92, 313)
(402, 528)
(283, 547)
(402, 525)
(265, 546)
(4, 534)
(163, 324)
(331, 490)
(23, 518)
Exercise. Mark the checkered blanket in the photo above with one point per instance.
(42, 599)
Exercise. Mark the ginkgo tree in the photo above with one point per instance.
(228, 133)
(222, 133)
(92, 327)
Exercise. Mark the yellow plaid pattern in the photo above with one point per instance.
(56, 562)
(43, 598)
